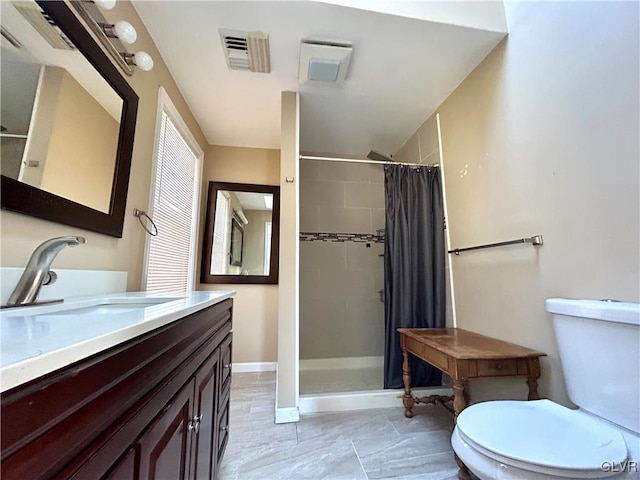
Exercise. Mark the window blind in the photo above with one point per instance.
(169, 261)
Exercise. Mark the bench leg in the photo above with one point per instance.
(407, 398)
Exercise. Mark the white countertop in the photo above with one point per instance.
(35, 341)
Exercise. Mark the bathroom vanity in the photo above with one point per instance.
(122, 388)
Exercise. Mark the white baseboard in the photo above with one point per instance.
(246, 367)
(339, 402)
(341, 363)
(287, 415)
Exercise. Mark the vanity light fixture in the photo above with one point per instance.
(142, 60)
(121, 30)
(113, 36)
(105, 4)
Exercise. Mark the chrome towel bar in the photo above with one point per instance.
(535, 240)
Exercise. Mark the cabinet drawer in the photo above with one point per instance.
(225, 356)
(223, 425)
(497, 368)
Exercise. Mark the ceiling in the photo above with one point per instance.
(253, 200)
(401, 70)
(17, 90)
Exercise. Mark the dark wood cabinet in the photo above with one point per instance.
(152, 408)
(124, 468)
(225, 359)
(204, 451)
(223, 426)
(164, 448)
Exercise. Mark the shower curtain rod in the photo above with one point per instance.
(358, 160)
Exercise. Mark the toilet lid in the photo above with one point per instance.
(542, 433)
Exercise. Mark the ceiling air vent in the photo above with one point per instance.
(246, 50)
(44, 24)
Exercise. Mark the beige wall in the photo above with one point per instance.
(341, 314)
(82, 149)
(255, 310)
(254, 249)
(287, 380)
(44, 108)
(21, 234)
(542, 138)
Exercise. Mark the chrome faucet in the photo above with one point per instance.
(36, 273)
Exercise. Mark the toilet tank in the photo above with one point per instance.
(599, 343)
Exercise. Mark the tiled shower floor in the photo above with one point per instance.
(338, 381)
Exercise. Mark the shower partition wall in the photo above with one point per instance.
(341, 276)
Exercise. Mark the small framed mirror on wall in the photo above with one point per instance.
(242, 233)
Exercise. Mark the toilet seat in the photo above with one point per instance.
(541, 436)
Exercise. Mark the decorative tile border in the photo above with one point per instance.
(341, 237)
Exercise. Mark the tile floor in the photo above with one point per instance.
(367, 444)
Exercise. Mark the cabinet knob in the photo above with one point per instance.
(196, 422)
(225, 428)
(227, 365)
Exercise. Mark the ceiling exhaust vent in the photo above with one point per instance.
(44, 24)
(324, 63)
(246, 50)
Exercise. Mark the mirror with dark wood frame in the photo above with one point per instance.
(68, 120)
(241, 236)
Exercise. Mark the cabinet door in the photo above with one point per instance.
(206, 438)
(223, 426)
(125, 467)
(165, 445)
(225, 361)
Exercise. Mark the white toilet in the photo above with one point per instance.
(599, 344)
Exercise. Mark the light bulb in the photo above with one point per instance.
(143, 61)
(125, 32)
(105, 4)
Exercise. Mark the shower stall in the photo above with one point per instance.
(342, 220)
(343, 224)
(343, 329)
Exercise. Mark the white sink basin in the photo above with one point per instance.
(106, 306)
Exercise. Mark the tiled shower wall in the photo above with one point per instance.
(341, 314)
